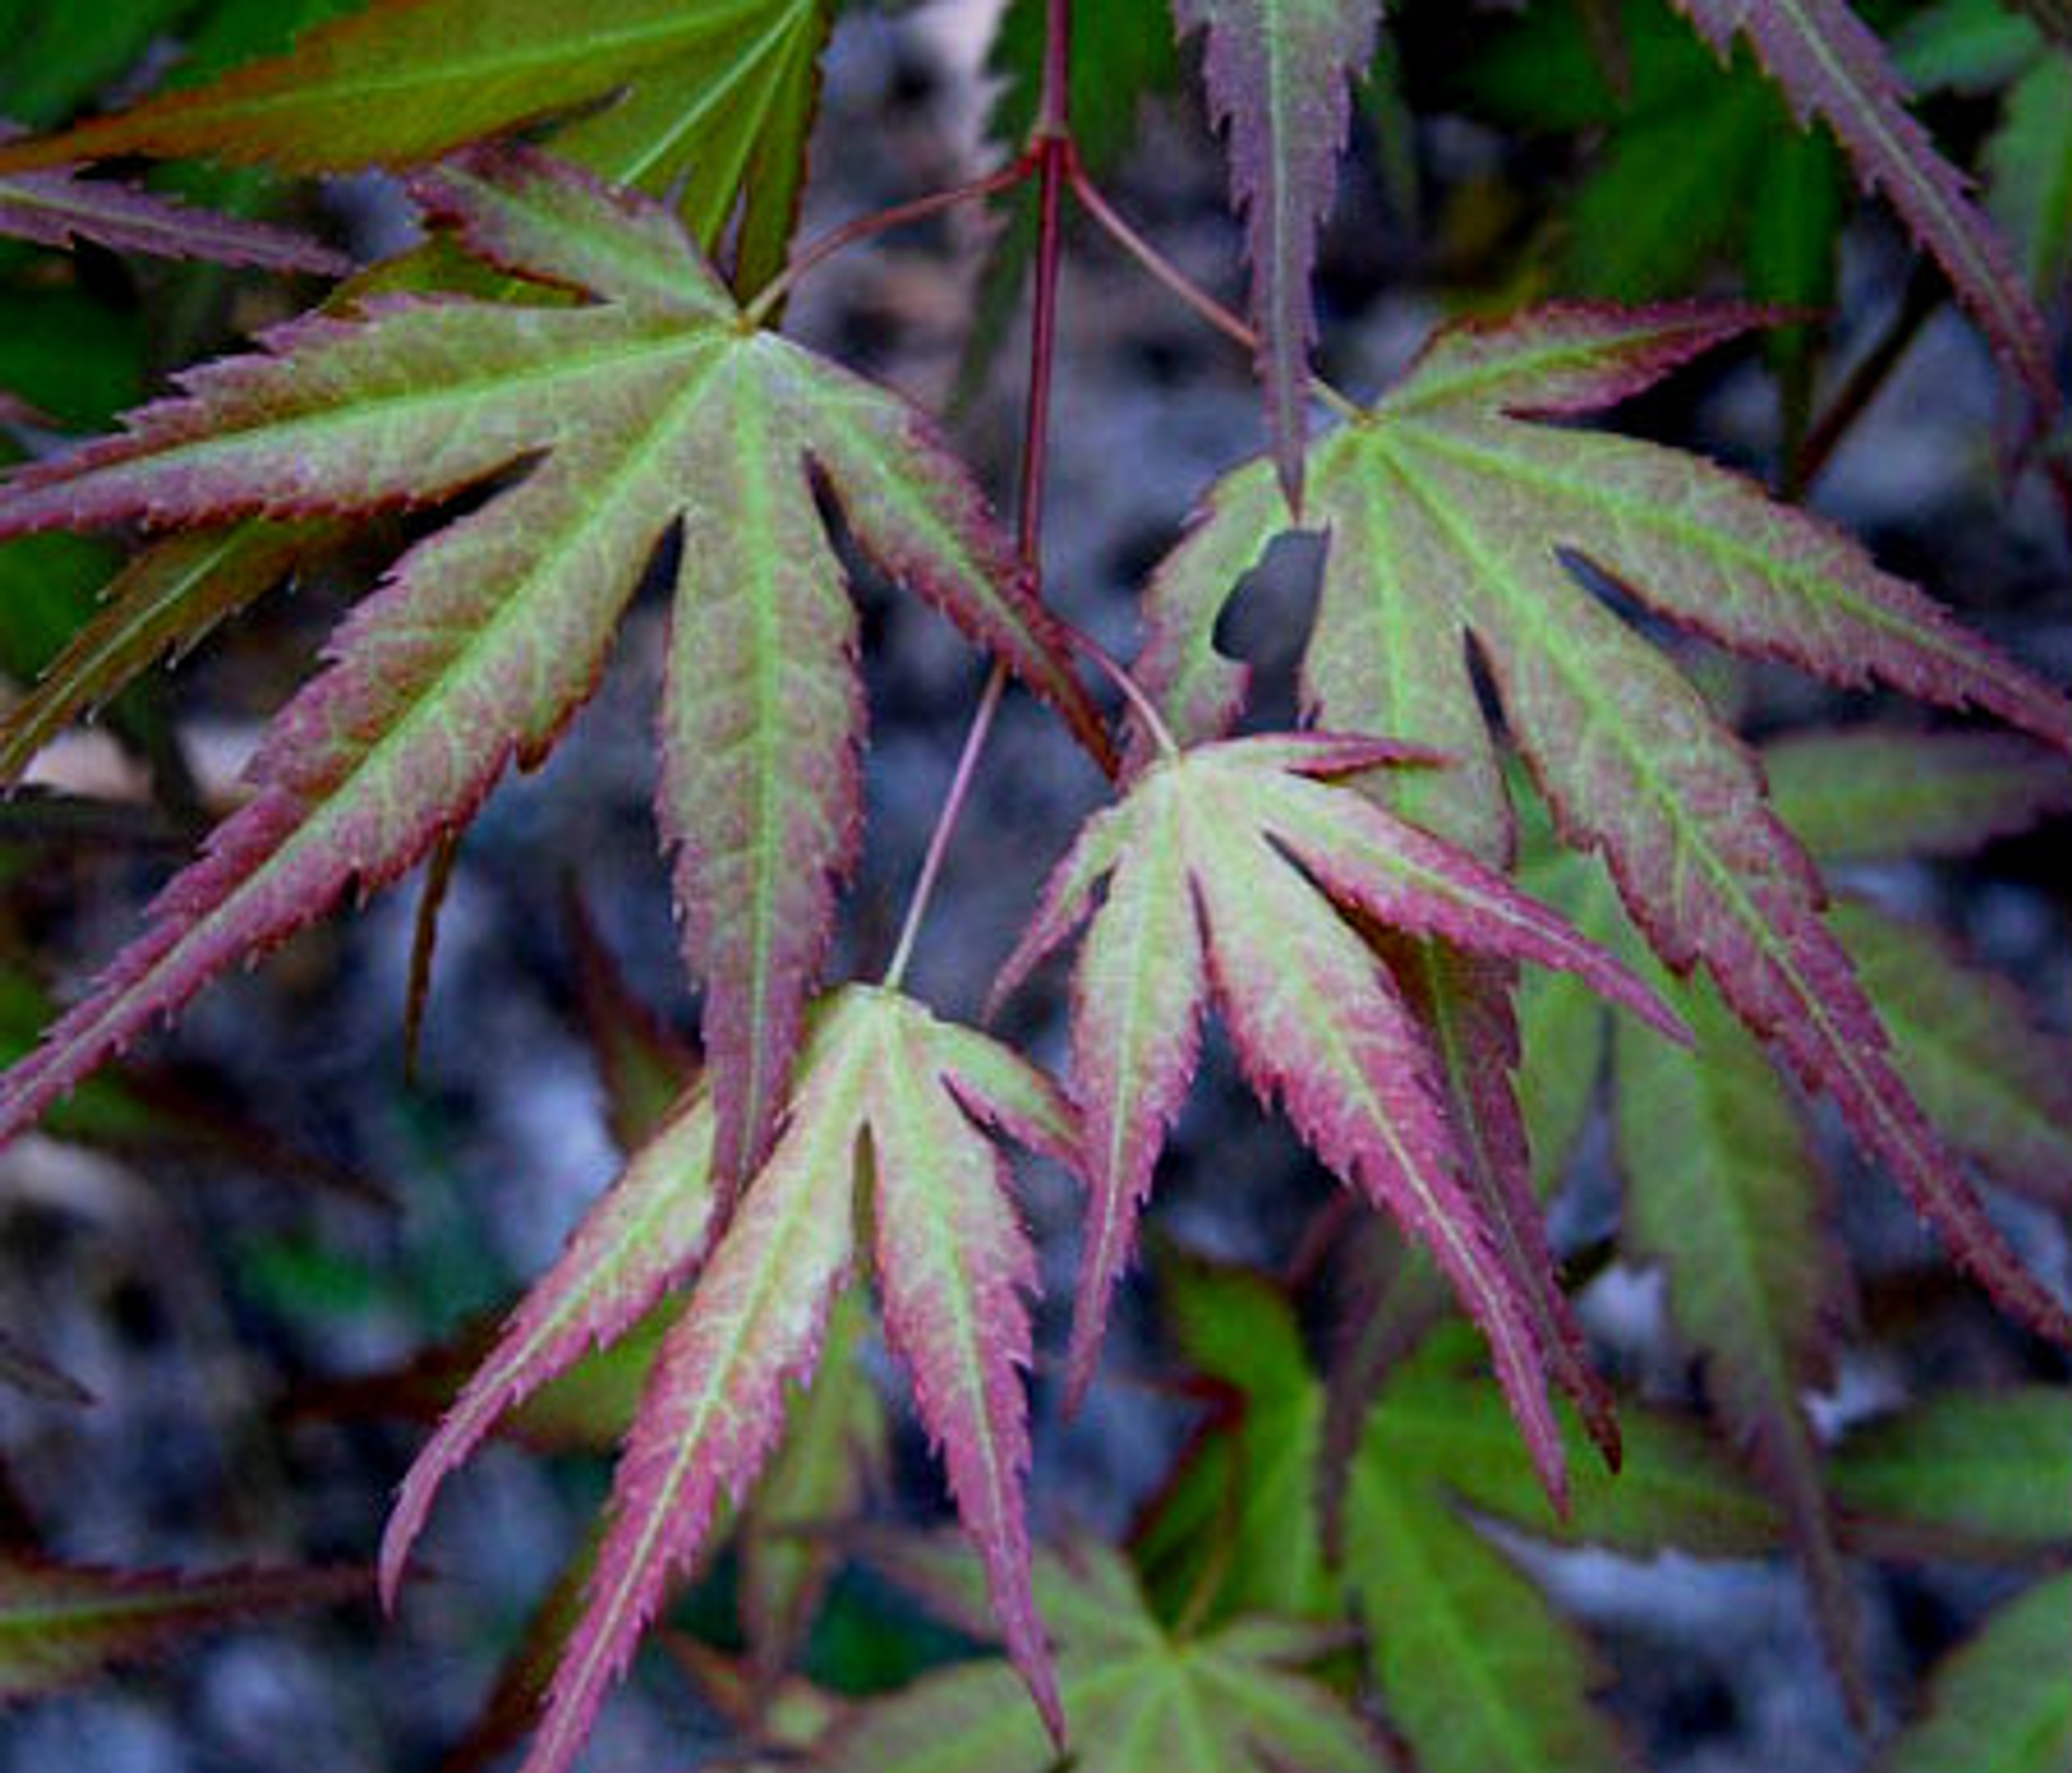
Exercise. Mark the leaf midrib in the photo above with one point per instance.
(1727, 884)
(1802, 580)
(617, 46)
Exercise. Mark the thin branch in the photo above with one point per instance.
(862, 227)
(1051, 151)
(1140, 704)
(1924, 295)
(953, 806)
(1165, 271)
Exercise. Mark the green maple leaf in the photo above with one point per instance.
(2003, 1700)
(1831, 65)
(1473, 1667)
(1451, 514)
(1977, 47)
(1231, 1698)
(653, 407)
(63, 1624)
(1978, 1474)
(1722, 1189)
(165, 600)
(1964, 1473)
(1692, 162)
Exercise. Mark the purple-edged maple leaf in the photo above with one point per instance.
(653, 407)
(1276, 72)
(1450, 514)
(1832, 66)
(1227, 868)
(58, 208)
(877, 1075)
(650, 1228)
(62, 1624)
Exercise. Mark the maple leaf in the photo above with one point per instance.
(1978, 1474)
(1473, 1663)
(1722, 1189)
(62, 1624)
(1227, 865)
(58, 208)
(880, 1075)
(1451, 513)
(1964, 1473)
(402, 81)
(164, 601)
(1476, 1670)
(718, 134)
(1276, 72)
(654, 407)
(1832, 66)
(2003, 1700)
(1868, 792)
(1132, 1688)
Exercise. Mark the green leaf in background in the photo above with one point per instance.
(54, 58)
(2028, 169)
(1865, 793)
(1476, 1669)
(1140, 1698)
(162, 604)
(1980, 46)
(1990, 1470)
(1723, 1194)
(61, 1625)
(1972, 1050)
(1474, 1666)
(1247, 1487)
(1696, 161)
(2002, 1703)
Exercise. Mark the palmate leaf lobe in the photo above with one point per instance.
(162, 604)
(1233, 1698)
(652, 1227)
(1449, 514)
(648, 408)
(1277, 72)
(399, 82)
(1832, 66)
(1227, 866)
(58, 208)
(62, 1624)
(890, 1100)
(2003, 1700)
(1475, 1668)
